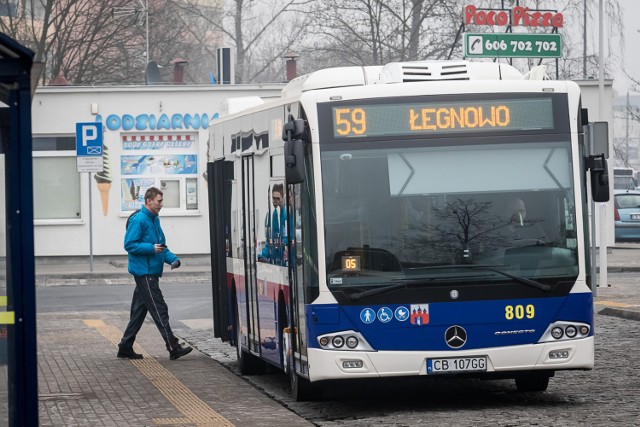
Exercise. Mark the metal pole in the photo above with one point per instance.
(146, 15)
(601, 112)
(626, 150)
(601, 60)
(584, 43)
(90, 226)
(604, 281)
(592, 211)
(594, 271)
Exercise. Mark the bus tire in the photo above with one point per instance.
(248, 364)
(532, 383)
(301, 388)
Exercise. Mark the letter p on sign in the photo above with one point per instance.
(89, 133)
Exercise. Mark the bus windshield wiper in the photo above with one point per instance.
(376, 291)
(408, 281)
(519, 279)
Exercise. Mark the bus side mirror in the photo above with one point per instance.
(294, 161)
(294, 128)
(599, 178)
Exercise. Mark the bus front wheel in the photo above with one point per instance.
(532, 383)
(301, 388)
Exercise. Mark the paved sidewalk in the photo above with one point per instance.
(82, 383)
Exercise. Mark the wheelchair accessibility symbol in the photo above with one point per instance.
(385, 314)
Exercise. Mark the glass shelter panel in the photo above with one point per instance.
(4, 388)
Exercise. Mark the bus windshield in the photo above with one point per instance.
(427, 210)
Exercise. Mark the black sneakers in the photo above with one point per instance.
(128, 354)
(179, 351)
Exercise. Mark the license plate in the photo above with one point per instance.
(451, 365)
(635, 216)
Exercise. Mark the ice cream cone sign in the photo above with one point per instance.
(103, 180)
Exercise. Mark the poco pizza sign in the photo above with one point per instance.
(518, 16)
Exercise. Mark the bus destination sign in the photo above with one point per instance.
(431, 118)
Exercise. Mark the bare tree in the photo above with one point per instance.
(182, 29)
(88, 43)
(261, 32)
(83, 40)
(372, 32)
(76, 38)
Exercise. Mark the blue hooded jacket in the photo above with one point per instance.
(142, 234)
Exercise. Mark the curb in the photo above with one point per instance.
(81, 279)
(617, 312)
(621, 269)
(118, 275)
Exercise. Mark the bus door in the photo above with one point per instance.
(249, 250)
(296, 296)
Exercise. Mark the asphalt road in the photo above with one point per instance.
(605, 396)
(185, 301)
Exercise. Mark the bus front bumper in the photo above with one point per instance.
(332, 365)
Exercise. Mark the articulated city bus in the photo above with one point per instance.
(414, 219)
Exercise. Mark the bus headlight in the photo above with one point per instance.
(563, 331)
(352, 342)
(557, 333)
(336, 341)
(571, 331)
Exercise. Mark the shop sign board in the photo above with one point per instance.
(518, 16)
(512, 45)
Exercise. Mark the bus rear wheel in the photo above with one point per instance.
(532, 383)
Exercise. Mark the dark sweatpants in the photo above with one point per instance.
(147, 297)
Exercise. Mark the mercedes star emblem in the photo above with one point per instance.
(455, 336)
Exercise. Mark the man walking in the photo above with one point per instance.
(146, 245)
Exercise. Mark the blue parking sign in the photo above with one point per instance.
(89, 139)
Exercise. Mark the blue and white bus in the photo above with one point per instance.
(414, 219)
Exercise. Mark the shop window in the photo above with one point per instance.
(171, 191)
(56, 180)
(54, 143)
(192, 193)
(166, 161)
(56, 188)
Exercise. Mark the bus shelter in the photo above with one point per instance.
(18, 356)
